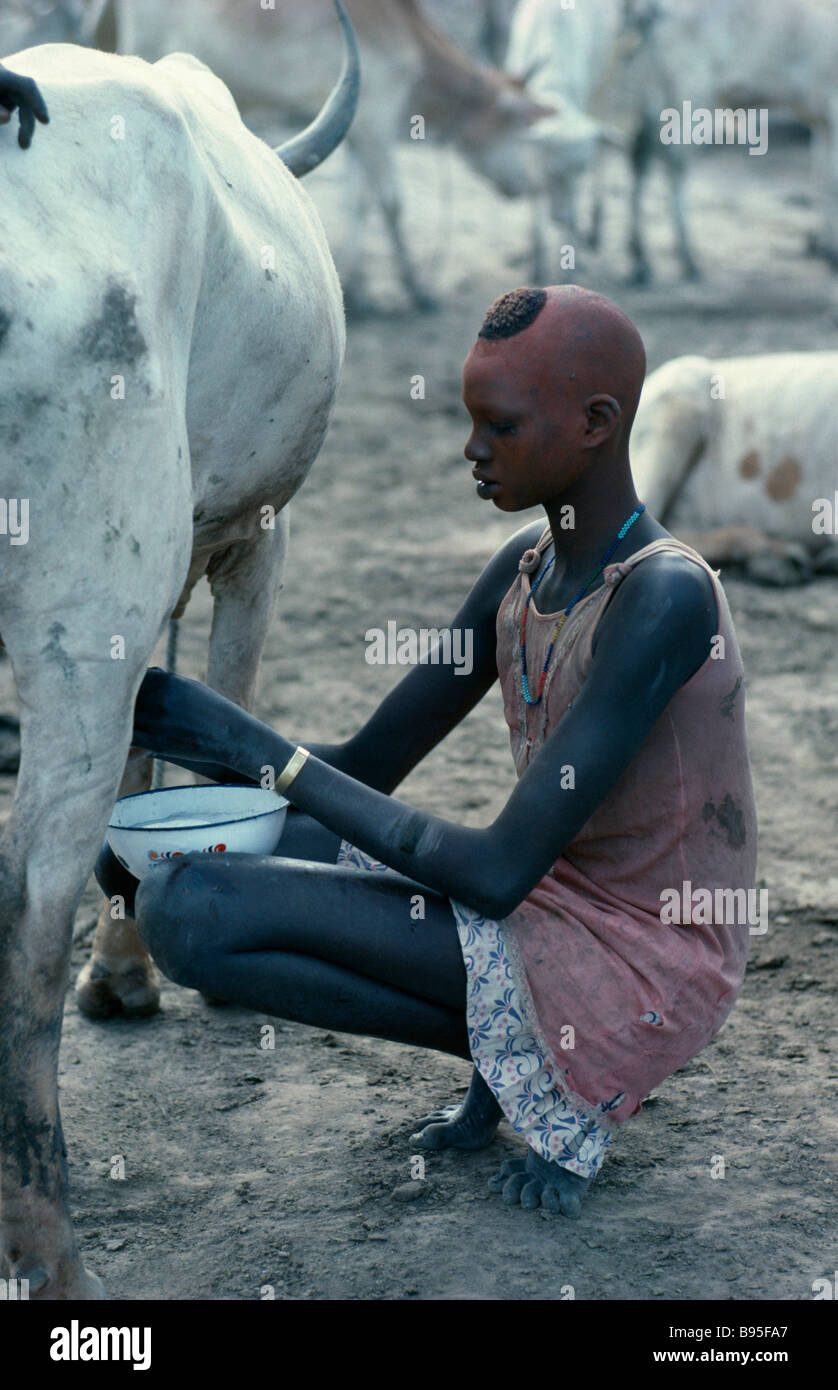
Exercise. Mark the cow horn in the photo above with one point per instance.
(305, 151)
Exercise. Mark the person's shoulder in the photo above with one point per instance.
(666, 598)
(670, 579)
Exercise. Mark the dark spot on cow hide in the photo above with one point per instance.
(784, 479)
(5, 324)
(728, 701)
(750, 465)
(115, 335)
(729, 817)
(54, 651)
(34, 1148)
(28, 403)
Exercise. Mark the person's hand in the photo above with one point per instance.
(21, 93)
(179, 718)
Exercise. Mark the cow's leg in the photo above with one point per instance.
(824, 241)
(564, 204)
(597, 220)
(764, 559)
(378, 163)
(119, 976)
(676, 170)
(538, 240)
(245, 580)
(353, 273)
(640, 158)
(76, 728)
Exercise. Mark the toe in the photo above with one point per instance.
(550, 1200)
(571, 1205)
(513, 1187)
(438, 1117)
(432, 1136)
(531, 1194)
(507, 1168)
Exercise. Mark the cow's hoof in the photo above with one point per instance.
(640, 276)
(821, 250)
(104, 991)
(826, 563)
(91, 1287)
(358, 306)
(71, 1283)
(424, 302)
(779, 569)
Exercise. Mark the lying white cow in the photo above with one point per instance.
(745, 451)
(171, 336)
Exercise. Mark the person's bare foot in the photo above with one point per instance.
(532, 1182)
(469, 1125)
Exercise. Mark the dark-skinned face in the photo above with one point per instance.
(528, 439)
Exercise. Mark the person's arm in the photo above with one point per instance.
(422, 709)
(432, 700)
(658, 634)
(21, 93)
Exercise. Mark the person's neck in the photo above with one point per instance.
(598, 516)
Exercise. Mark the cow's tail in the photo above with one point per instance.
(171, 665)
(305, 151)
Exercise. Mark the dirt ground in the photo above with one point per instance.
(247, 1168)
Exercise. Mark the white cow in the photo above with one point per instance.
(411, 66)
(624, 62)
(594, 63)
(737, 54)
(745, 451)
(171, 336)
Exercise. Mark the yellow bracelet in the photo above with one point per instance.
(291, 768)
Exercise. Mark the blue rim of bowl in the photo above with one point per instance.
(208, 825)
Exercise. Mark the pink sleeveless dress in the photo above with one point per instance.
(589, 994)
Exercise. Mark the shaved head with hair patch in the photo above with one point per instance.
(512, 313)
(552, 383)
(579, 334)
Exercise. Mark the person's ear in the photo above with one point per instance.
(602, 415)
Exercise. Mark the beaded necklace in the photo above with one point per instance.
(624, 529)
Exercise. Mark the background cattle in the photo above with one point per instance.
(624, 62)
(741, 449)
(411, 66)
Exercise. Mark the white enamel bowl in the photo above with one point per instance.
(153, 827)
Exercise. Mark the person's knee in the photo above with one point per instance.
(169, 917)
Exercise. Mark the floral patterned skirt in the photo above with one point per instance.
(507, 1048)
